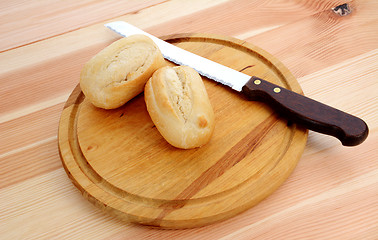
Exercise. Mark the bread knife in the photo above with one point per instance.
(311, 114)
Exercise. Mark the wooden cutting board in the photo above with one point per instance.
(121, 163)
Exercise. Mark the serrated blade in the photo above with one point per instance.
(218, 72)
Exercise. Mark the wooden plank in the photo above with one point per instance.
(23, 26)
(25, 22)
(355, 78)
(29, 161)
(28, 129)
(240, 17)
(52, 199)
(323, 39)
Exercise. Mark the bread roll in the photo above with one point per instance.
(179, 106)
(119, 72)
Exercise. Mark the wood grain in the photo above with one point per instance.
(330, 195)
(52, 16)
(122, 164)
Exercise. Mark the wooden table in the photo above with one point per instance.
(332, 193)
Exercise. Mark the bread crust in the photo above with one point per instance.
(179, 106)
(119, 72)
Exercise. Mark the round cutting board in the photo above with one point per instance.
(121, 163)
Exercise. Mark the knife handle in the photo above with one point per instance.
(313, 115)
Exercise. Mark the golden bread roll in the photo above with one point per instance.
(179, 106)
(119, 72)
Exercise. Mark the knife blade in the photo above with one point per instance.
(313, 115)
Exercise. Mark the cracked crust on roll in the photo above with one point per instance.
(119, 72)
(179, 106)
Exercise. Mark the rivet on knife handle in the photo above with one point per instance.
(350, 130)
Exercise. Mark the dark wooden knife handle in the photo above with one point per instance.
(313, 115)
